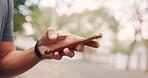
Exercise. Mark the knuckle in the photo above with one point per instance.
(59, 58)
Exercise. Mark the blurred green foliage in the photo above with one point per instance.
(19, 19)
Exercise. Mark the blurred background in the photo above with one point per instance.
(123, 51)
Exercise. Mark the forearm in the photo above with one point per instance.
(17, 62)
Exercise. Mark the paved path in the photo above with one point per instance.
(72, 69)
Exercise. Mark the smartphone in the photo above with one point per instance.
(81, 41)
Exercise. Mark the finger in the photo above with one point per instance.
(51, 33)
(68, 52)
(49, 56)
(61, 53)
(61, 36)
(57, 56)
(79, 48)
(92, 44)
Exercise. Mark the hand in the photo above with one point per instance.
(52, 39)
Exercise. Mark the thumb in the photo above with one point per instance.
(51, 33)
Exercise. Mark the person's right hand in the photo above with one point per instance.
(52, 39)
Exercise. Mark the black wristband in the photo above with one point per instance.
(36, 50)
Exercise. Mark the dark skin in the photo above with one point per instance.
(12, 60)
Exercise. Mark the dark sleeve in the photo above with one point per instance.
(8, 28)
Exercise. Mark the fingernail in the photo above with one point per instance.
(53, 36)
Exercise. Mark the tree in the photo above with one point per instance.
(137, 17)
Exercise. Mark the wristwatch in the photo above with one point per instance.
(36, 50)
